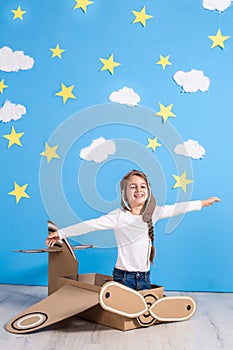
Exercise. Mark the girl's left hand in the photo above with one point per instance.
(209, 201)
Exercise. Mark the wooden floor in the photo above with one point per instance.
(211, 328)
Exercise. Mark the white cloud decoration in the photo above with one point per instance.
(219, 5)
(11, 111)
(99, 150)
(192, 81)
(126, 96)
(190, 148)
(13, 61)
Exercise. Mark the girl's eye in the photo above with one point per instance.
(134, 186)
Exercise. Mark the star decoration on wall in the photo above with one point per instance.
(164, 61)
(109, 64)
(57, 51)
(153, 143)
(218, 39)
(50, 152)
(182, 181)
(141, 16)
(18, 13)
(66, 92)
(2, 86)
(14, 137)
(82, 4)
(19, 192)
(165, 112)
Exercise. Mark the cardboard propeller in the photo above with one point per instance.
(96, 297)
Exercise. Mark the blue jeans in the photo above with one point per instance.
(134, 280)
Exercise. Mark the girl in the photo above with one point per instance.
(133, 226)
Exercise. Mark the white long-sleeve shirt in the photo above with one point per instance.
(131, 232)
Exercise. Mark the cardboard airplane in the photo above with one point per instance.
(96, 297)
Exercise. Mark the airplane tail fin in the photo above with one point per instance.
(64, 263)
(61, 260)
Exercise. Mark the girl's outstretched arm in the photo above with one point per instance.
(209, 201)
(166, 211)
(104, 222)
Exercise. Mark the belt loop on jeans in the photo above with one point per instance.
(125, 274)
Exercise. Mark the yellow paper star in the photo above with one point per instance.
(57, 51)
(218, 39)
(14, 137)
(66, 92)
(2, 86)
(50, 152)
(19, 192)
(141, 16)
(164, 61)
(109, 64)
(153, 143)
(18, 13)
(182, 181)
(165, 112)
(82, 4)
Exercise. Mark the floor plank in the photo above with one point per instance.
(209, 329)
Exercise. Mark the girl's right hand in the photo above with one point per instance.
(52, 238)
(53, 235)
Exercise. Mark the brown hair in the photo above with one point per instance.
(149, 206)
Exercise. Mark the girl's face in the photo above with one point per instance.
(136, 191)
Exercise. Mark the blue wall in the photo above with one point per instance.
(193, 252)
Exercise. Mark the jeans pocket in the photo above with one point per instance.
(147, 278)
(118, 276)
(118, 279)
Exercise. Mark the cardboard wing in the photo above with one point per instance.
(65, 302)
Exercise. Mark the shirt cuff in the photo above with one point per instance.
(61, 234)
(199, 205)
